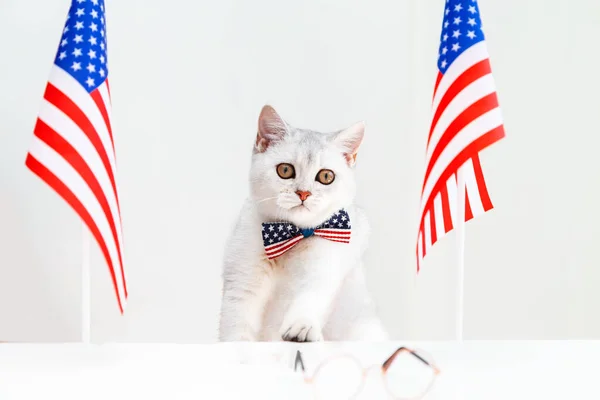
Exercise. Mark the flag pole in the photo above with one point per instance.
(85, 284)
(460, 253)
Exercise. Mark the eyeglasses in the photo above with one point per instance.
(407, 375)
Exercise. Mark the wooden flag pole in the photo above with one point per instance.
(85, 284)
(460, 253)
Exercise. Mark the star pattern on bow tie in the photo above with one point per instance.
(280, 237)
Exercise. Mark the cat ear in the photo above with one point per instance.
(350, 140)
(271, 128)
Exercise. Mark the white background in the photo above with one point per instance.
(188, 79)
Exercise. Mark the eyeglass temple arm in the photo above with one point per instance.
(298, 360)
(390, 360)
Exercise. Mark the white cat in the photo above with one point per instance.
(315, 290)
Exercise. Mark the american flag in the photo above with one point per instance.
(73, 149)
(279, 237)
(466, 119)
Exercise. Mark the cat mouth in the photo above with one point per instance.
(300, 206)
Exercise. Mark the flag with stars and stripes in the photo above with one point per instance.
(73, 149)
(466, 119)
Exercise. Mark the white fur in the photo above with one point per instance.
(315, 291)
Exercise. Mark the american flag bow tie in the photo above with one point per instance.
(279, 237)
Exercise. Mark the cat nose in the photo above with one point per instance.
(303, 194)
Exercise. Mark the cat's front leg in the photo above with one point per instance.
(317, 278)
(245, 293)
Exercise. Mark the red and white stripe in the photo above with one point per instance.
(466, 120)
(335, 235)
(277, 249)
(73, 152)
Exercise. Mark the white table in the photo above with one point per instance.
(478, 370)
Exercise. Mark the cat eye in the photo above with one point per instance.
(286, 171)
(325, 176)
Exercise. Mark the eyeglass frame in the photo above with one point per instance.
(365, 370)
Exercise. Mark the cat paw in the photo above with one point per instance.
(301, 330)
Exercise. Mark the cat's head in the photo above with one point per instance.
(299, 175)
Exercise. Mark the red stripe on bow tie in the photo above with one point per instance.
(336, 235)
(278, 249)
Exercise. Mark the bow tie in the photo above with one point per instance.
(279, 237)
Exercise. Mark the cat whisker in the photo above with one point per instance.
(265, 199)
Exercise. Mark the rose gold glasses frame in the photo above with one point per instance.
(383, 368)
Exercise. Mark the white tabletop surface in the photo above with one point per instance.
(469, 370)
